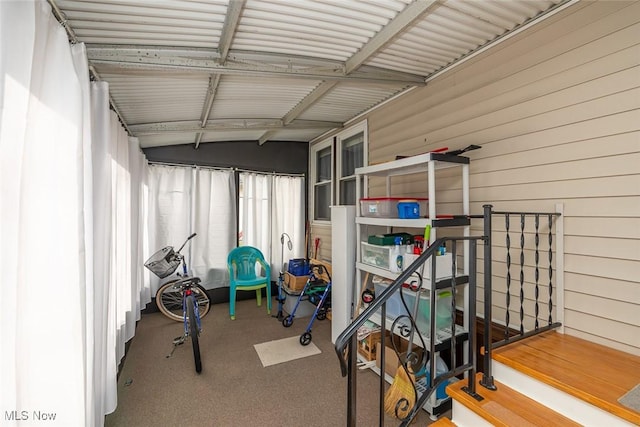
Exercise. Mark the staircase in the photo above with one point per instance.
(551, 379)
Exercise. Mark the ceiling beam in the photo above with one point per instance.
(226, 38)
(265, 137)
(303, 105)
(228, 125)
(308, 101)
(389, 32)
(214, 81)
(231, 20)
(114, 59)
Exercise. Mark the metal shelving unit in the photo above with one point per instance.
(427, 164)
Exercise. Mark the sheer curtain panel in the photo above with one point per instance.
(288, 217)
(255, 208)
(170, 211)
(185, 200)
(214, 218)
(271, 205)
(69, 227)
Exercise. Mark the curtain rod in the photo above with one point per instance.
(189, 166)
(73, 39)
(270, 173)
(225, 168)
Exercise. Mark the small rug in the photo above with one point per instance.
(284, 350)
(632, 398)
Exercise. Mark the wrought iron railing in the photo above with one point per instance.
(415, 360)
(512, 332)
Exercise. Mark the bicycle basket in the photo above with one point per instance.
(164, 262)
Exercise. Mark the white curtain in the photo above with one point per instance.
(288, 217)
(270, 206)
(72, 191)
(170, 210)
(214, 218)
(187, 200)
(255, 206)
(105, 329)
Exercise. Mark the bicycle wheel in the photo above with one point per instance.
(193, 331)
(169, 301)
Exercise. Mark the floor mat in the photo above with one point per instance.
(284, 350)
(632, 398)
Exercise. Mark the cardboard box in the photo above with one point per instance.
(391, 360)
(294, 283)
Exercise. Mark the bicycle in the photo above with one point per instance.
(182, 299)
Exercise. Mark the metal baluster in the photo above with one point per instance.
(522, 221)
(454, 250)
(487, 377)
(507, 315)
(550, 271)
(537, 272)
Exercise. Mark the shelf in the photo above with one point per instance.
(442, 283)
(443, 336)
(393, 222)
(460, 220)
(440, 405)
(411, 165)
(426, 164)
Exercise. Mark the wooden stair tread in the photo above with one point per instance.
(443, 422)
(594, 373)
(507, 407)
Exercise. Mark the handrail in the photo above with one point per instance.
(489, 343)
(346, 345)
(346, 342)
(343, 339)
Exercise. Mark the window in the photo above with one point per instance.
(350, 153)
(321, 169)
(351, 156)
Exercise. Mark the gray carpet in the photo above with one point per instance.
(234, 389)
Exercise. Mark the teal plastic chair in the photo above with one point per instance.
(242, 263)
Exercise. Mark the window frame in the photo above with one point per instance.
(313, 183)
(341, 137)
(335, 142)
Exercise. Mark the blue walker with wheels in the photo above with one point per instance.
(318, 293)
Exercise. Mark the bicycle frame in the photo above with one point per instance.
(187, 293)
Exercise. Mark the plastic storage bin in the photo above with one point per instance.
(375, 255)
(395, 307)
(387, 207)
(408, 209)
(389, 239)
(298, 267)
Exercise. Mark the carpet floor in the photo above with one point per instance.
(234, 388)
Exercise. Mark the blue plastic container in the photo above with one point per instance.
(408, 209)
(298, 267)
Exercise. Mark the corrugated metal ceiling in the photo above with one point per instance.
(191, 72)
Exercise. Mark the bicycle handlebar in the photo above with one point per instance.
(185, 242)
